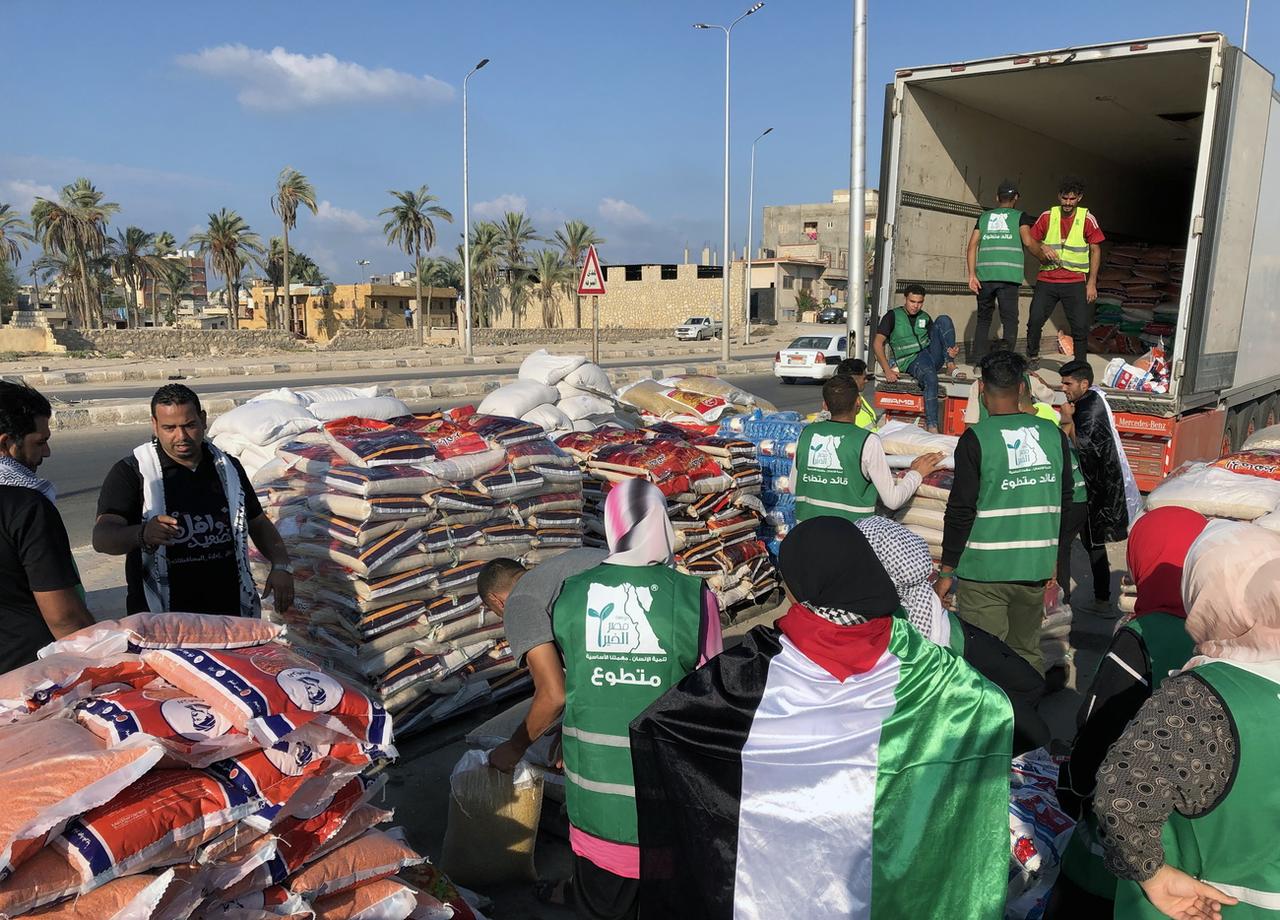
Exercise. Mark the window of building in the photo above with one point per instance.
(710, 271)
(811, 229)
(831, 225)
(844, 258)
(826, 257)
(633, 273)
(669, 273)
(788, 282)
(806, 285)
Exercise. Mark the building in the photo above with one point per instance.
(778, 283)
(187, 305)
(817, 233)
(318, 313)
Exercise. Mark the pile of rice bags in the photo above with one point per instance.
(692, 401)
(924, 512)
(562, 393)
(712, 485)
(774, 435)
(1138, 293)
(1243, 486)
(389, 524)
(179, 765)
(1038, 834)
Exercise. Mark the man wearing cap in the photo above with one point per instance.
(996, 263)
(1070, 254)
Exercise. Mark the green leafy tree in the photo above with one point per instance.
(8, 283)
(133, 261)
(517, 232)
(75, 226)
(411, 228)
(550, 275)
(230, 245)
(175, 276)
(486, 241)
(806, 301)
(15, 235)
(293, 190)
(573, 240)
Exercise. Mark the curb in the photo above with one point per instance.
(417, 394)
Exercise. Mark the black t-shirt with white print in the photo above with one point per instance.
(203, 576)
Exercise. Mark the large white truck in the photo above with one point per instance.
(1178, 142)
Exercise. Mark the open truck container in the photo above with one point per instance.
(1178, 142)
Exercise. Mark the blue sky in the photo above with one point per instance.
(607, 111)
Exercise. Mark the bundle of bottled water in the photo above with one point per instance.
(774, 435)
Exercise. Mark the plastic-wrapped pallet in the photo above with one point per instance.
(389, 523)
(712, 485)
(774, 435)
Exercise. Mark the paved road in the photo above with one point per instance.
(81, 459)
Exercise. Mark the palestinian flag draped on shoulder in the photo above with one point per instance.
(767, 786)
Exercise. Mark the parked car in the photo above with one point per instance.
(810, 357)
(697, 328)
(833, 315)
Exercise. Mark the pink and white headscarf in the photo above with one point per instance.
(1231, 590)
(636, 525)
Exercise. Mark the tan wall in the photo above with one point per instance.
(649, 303)
(28, 339)
(357, 306)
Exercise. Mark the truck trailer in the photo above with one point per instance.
(1178, 142)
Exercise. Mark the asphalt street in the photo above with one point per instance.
(80, 459)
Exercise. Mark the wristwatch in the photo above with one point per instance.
(287, 569)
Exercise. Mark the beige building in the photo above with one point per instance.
(317, 313)
(818, 232)
(776, 286)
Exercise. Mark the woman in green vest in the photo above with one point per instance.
(1144, 650)
(996, 264)
(1187, 800)
(628, 630)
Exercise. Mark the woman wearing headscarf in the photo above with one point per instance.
(628, 630)
(1144, 651)
(1187, 801)
(906, 560)
(837, 763)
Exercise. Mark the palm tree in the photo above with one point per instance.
(552, 273)
(15, 234)
(75, 226)
(229, 244)
(486, 241)
(411, 227)
(132, 264)
(573, 241)
(175, 275)
(517, 232)
(163, 245)
(292, 190)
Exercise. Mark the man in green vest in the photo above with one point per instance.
(996, 261)
(1070, 252)
(1000, 534)
(922, 346)
(840, 468)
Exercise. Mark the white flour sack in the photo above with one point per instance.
(1216, 492)
(264, 422)
(1263, 439)
(381, 408)
(314, 395)
(515, 400)
(546, 368)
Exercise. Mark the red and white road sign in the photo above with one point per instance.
(592, 279)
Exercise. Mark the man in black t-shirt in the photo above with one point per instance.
(40, 596)
(182, 512)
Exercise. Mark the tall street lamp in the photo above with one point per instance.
(856, 316)
(364, 271)
(746, 263)
(724, 293)
(466, 217)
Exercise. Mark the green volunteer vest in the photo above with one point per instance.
(1233, 846)
(866, 415)
(1019, 509)
(1168, 647)
(627, 634)
(999, 256)
(910, 335)
(1073, 252)
(829, 478)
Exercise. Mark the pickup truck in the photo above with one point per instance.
(698, 328)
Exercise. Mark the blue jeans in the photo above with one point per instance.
(934, 358)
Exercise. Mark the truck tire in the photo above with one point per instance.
(1250, 421)
(1238, 420)
(1267, 414)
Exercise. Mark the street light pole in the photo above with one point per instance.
(857, 260)
(746, 263)
(724, 271)
(1244, 44)
(466, 219)
(364, 270)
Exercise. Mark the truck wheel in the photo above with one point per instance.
(1237, 423)
(1250, 421)
(1267, 414)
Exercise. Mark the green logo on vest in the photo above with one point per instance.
(823, 452)
(1023, 445)
(617, 622)
(998, 222)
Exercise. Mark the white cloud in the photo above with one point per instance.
(332, 214)
(22, 193)
(279, 79)
(621, 212)
(496, 207)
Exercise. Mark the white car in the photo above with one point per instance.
(810, 357)
(697, 328)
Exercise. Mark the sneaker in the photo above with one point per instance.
(1102, 608)
(1033, 363)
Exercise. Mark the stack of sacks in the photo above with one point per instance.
(178, 765)
(774, 436)
(1243, 486)
(389, 524)
(924, 512)
(692, 401)
(253, 432)
(1138, 295)
(1038, 833)
(562, 393)
(712, 485)
(904, 441)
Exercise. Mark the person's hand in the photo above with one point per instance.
(1050, 255)
(280, 586)
(556, 756)
(1090, 291)
(505, 756)
(1176, 894)
(161, 530)
(926, 463)
(892, 375)
(953, 350)
(943, 585)
(1067, 411)
(974, 284)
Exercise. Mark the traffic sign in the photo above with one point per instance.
(592, 279)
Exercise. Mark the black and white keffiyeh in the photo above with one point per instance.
(13, 473)
(905, 557)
